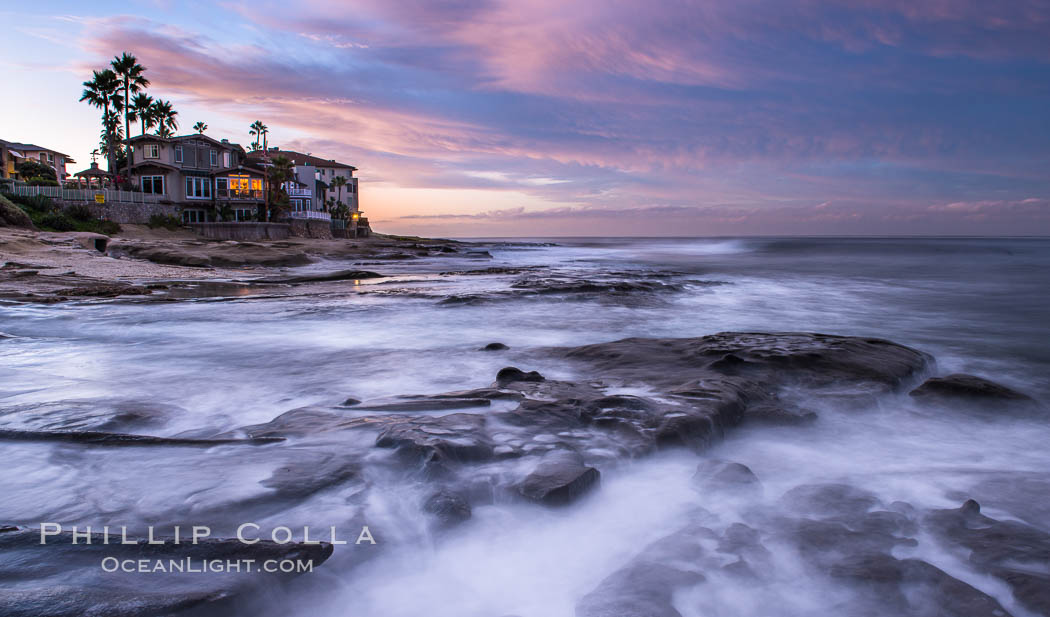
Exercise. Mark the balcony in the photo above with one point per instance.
(310, 214)
(256, 195)
(299, 192)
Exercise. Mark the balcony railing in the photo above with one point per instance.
(310, 214)
(110, 195)
(296, 192)
(238, 194)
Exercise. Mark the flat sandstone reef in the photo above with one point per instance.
(40, 266)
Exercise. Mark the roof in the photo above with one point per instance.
(298, 158)
(33, 148)
(177, 138)
(92, 172)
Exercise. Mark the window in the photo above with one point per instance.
(243, 214)
(245, 187)
(214, 158)
(222, 187)
(198, 188)
(47, 158)
(226, 160)
(153, 184)
(152, 151)
(194, 216)
(178, 154)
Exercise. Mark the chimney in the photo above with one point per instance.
(225, 141)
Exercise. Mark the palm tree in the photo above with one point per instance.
(103, 91)
(200, 127)
(164, 116)
(282, 170)
(129, 75)
(257, 130)
(142, 110)
(338, 183)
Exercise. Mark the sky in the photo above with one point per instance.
(591, 117)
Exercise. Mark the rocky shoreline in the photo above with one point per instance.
(526, 438)
(143, 263)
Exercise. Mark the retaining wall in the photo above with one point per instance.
(242, 231)
(125, 213)
(310, 228)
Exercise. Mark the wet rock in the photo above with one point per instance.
(814, 360)
(645, 587)
(914, 587)
(829, 501)
(350, 402)
(298, 479)
(98, 438)
(641, 590)
(968, 389)
(494, 347)
(717, 475)
(104, 291)
(455, 438)
(1012, 551)
(512, 374)
(60, 578)
(560, 479)
(422, 403)
(339, 275)
(449, 509)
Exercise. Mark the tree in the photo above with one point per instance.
(338, 183)
(111, 137)
(258, 131)
(164, 116)
(129, 76)
(142, 110)
(32, 170)
(282, 170)
(200, 127)
(103, 91)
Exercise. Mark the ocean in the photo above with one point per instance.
(197, 368)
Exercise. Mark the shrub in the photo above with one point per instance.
(80, 212)
(109, 228)
(166, 221)
(34, 203)
(40, 181)
(56, 221)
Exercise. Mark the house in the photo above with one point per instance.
(324, 170)
(13, 153)
(210, 180)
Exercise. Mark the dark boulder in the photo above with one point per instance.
(448, 508)
(717, 475)
(513, 374)
(960, 388)
(494, 347)
(560, 479)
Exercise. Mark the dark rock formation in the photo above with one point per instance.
(720, 476)
(1012, 551)
(448, 508)
(339, 275)
(60, 578)
(512, 374)
(960, 388)
(494, 347)
(559, 479)
(98, 438)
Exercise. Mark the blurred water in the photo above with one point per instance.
(979, 305)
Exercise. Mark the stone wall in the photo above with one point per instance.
(125, 213)
(311, 228)
(242, 231)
